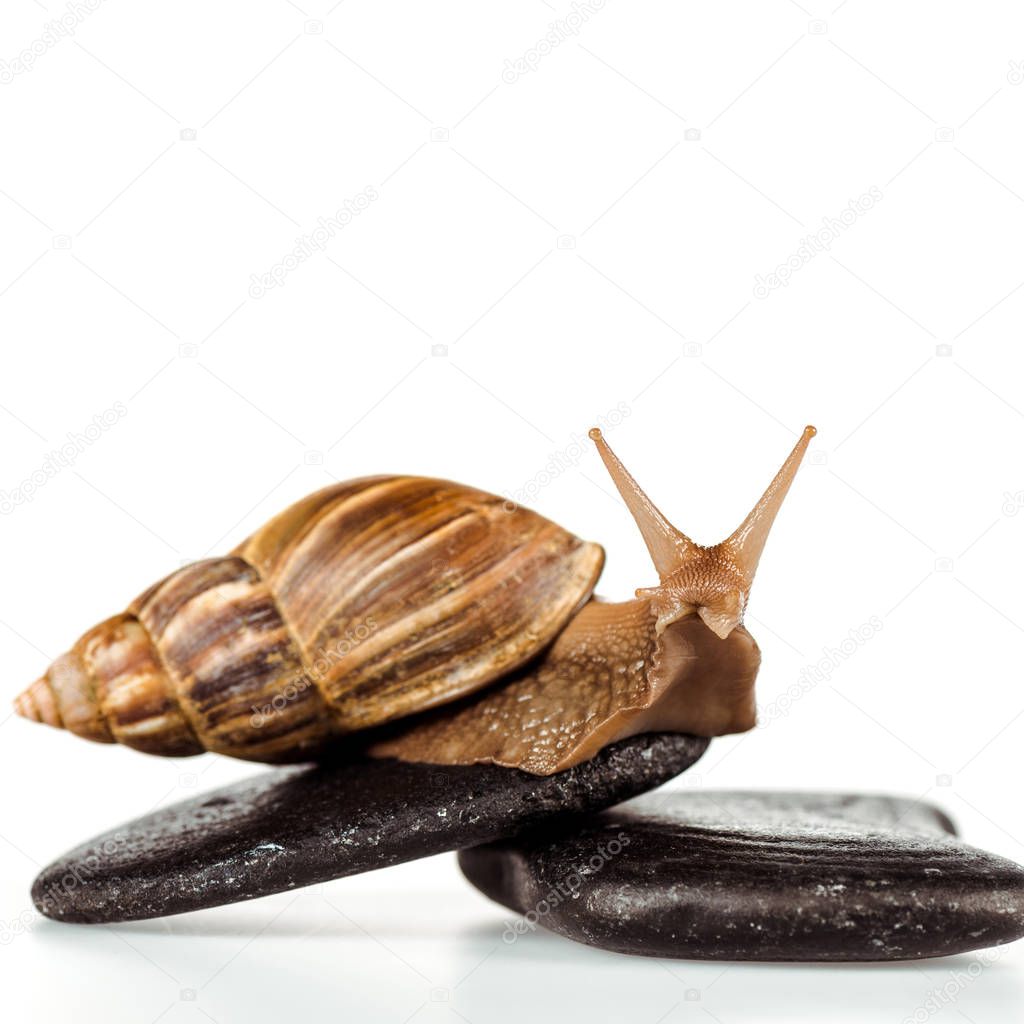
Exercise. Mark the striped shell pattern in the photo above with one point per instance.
(363, 603)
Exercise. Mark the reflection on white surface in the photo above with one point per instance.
(415, 942)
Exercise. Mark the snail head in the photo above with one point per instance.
(710, 581)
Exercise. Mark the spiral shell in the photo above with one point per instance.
(363, 603)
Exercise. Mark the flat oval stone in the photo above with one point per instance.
(758, 876)
(292, 827)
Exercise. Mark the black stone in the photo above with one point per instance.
(758, 876)
(294, 827)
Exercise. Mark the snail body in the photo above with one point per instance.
(462, 623)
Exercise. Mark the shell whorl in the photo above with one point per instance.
(187, 668)
(360, 604)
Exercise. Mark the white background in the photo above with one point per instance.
(678, 151)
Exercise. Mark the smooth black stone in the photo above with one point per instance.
(758, 876)
(293, 827)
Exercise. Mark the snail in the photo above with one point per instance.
(431, 622)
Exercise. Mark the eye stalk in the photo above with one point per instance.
(713, 582)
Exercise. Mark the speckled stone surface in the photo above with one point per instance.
(758, 876)
(293, 827)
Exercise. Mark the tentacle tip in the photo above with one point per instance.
(810, 431)
(594, 433)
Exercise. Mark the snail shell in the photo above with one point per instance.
(360, 604)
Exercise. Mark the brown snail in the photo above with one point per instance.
(374, 600)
